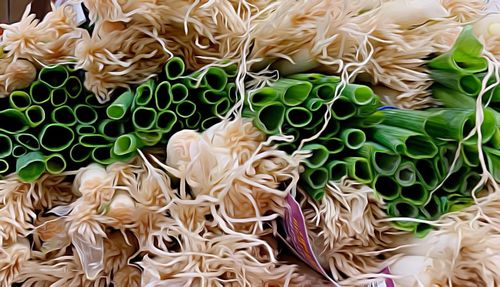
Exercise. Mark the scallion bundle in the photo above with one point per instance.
(56, 125)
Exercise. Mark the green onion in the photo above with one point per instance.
(121, 105)
(163, 96)
(40, 92)
(55, 163)
(27, 140)
(263, 97)
(79, 153)
(73, 87)
(343, 108)
(493, 158)
(5, 145)
(14, 121)
(185, 109)
(319, 155)
(85, 114)
(166, 120)
(325, 92)
(144, 93)
(58, 97)
(427, 173)
(358, 94)
(316, 178)
(416, 194)
(292, 92)
(35, 115)
(64, 115)
(144, 118)
(19, 100)
(54, 77)
(353, 138)
(402, 209)
(406, 174)
(30, 166)
(403, 141)
(334, 145)
(336, 169)
(18, 151)
(464, 57)
(386, 187)
(94, 140)
(270, 118)
(56, 137)
(468, 84)
(215, 79)
(174, 68)
(103, 155)
(4, 166)
(298, 116)
(111, 129)
(359, 169)
(384, 161)
(126, 144)
(85, 129)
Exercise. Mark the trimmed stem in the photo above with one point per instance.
(5, 146)
(121, 105)
(27, 140)
(358, 94)
(319, 155)
(55, 163)
(79, 153)
(85, 114)
(54, 77)
(111, 129)
(19, 100)
(126, 144)
(353, 138)
(386, 187)
(40, 92)
(30, 166)
(298, 117)
(64, 115)
(270, 118)
(315, 178)
(35, 115)
(174, 68)
(13, 121)
(336, 169)
(406, 174)
(292, 92)
(359, 169)
(410, 143)
(166, 121)
(384, 161)
(416, 194)
(56, 137)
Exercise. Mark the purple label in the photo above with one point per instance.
(297, 237)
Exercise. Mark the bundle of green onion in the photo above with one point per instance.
(459, 74)
(56, 124)
(297, 106)
(404, 155)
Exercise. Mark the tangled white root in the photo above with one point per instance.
(347, 233)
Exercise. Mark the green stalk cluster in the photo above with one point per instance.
(459, 74)
(403, 154)
(297, 106)
(56, 125)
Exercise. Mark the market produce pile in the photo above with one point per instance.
(251, 143)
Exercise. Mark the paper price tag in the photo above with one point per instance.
(298, 240)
